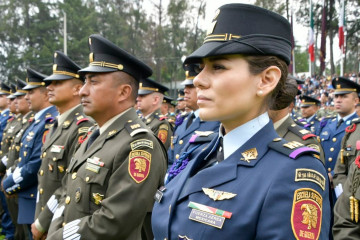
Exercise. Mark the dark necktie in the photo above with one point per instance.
(55, 126)
(190, 120)
(216, 156)
(93, 137)
(339, 123)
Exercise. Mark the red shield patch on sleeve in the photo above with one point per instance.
(162, 135)
(306, 214)
(139, 165)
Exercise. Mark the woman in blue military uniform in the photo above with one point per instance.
(248, 183)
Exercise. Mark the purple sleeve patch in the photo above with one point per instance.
(301, 150)
(193, 138)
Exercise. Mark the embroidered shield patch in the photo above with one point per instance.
(139, 165)
(163, 133)
(306, 214)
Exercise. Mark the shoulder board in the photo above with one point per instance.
(356, 120)
(299, 131)
(134, 128)
(292, 149)
(80, 120)
(49, 119)
(202, 136)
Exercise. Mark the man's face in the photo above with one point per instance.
(61, 92)
(36, 98)
(22, 106)
(3, 101)
(12, 105)
(98, 94)
(190, 97)
(308, 111)
(145, 103)
(345, 103)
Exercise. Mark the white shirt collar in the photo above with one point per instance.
(240, 135)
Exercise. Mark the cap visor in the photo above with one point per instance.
(55, 77)
(144, 92)
(28, 87)
(96, 69)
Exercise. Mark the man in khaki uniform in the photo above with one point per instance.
(285, 125)
(346, 210)
(23, 121)
(114, 174)
(149, 101)
(69, 128)
(350, 146)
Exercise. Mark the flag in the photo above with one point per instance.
(323, 38)
(311, 35)
(341, 26)
(291, 68)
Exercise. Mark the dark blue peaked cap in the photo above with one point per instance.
(4, 89)
(20, 84)
(34, 79)
(105, 56)
(245, 29)
(64, 68)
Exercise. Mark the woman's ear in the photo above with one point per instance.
(269, 79)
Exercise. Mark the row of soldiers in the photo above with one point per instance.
(77, 162)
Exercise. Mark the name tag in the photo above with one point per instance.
(56, 148)
(207, 218)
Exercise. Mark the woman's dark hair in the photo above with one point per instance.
(258, 64)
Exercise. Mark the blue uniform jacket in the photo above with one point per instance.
(331, 140)
(26, 171)
(182, 136)
(274, 194)
(4, 117)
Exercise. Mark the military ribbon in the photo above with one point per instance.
(208, 209)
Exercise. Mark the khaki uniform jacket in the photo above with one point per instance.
(14, 150)
(350, 146)
(111, 185)
(56, 154)
(290, 131)
(346, 210)
(161, 127)
(13, 126)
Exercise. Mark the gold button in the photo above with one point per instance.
(44, 154)
(19, 159)
(42, 208)
(177, 156)
(330, 159)
(41, 191)
(293, 125)
(329, 169)
(181, 142)
(67, 200)
(73, 176)
(87, 179)
(322, 139)
(31, 195)
(347, 154)
(331, 149)
(54, 159)
(334, 139)
(41, 172)
(63, 224)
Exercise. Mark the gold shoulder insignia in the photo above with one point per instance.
(164, 126)
(83, 130)
(66, 124)
(112, 132)
(304, 131)
(314, 146)
(218, 195)
(203, 133)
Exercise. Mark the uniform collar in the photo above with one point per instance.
(310, 118)
(346, 117)
(39, 113)
(281, 121)
(196, 113)
(109, 122)
(65, 115)
(238, 136)
(3, 112)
